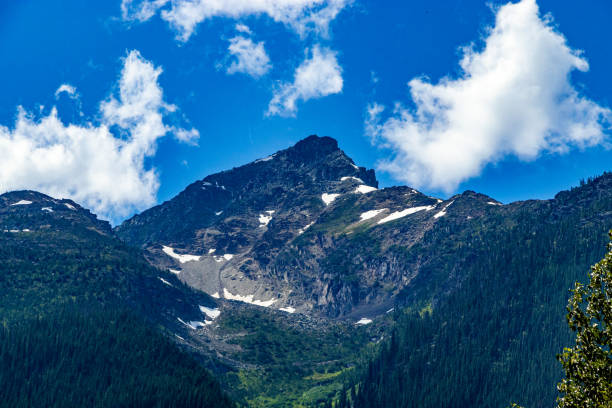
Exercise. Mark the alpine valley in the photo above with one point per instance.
(294, 281)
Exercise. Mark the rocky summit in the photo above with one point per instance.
(306, 230)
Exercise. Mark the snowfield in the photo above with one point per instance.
(247, 299)
(22, 202)
(328, 198)
(181, 258)
(370, 214)
(211, 313)
(363, 189)
(364, 321)
(400, 214)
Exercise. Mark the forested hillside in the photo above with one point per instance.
(494, 341)
(82, 357)
(83, 316)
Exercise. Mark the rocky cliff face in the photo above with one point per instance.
(307, 230)
(235, 224)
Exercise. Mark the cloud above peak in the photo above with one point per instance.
(248, 57)
(100, 164)
(302, 16)
(317, 76)
(514, 97)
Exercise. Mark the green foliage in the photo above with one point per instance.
(290, 365)
(98, 358)
(588, 365)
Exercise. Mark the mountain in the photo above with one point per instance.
(80, 314)
(307, 231)
(109, 317)
(54, 251)
(493, 340)
(293, 276)
(302, 230)
(238, 223)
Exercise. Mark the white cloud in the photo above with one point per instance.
(317, 76)
(513, 98)
(242, 28)
(68, 90)
(183, 16)
(250, 57)
(141, 10)
(101, 165)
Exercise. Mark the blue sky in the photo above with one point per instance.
(542, 130)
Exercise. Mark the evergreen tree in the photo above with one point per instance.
(588, 365)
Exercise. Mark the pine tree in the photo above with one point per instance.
(588, 365)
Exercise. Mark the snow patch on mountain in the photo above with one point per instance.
(301, 231)
(357, 179)
(364, 321)
(225, 257)
(22, 202)
(211, 313)
(443, 212)
(194, 325)
(181, 258)
(247, 299)
(328, 198)
(265, 219)
(400, 214)
(265, 159)
(363, 189)
(370, 214)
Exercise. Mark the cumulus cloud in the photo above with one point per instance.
(249, 57)
(183, 16)
(514, 97)
(317, 76)
(101, 164)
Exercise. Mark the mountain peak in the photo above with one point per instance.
(316, 144)
(28, 210)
